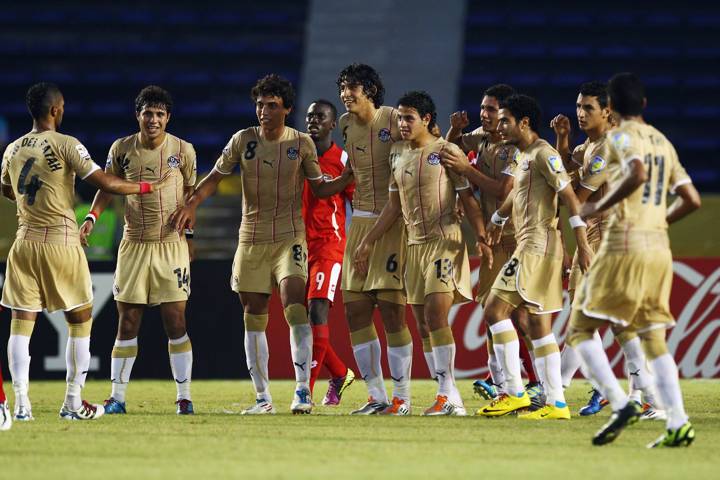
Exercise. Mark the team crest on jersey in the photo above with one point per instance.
(597, 165)
(292, 153)
(384, 135)
(434, 158)
(173, 161)
(503, 154)
(556, 163)
(621, 140)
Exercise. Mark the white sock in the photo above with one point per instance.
(445, 370)
(496, 372)
(256, 356)
(400, 362)
(77, 359)
(668, 388)
(570, 363)
(19, 365)
(181, 366)
(641, 380)
(367, 357)
(509, 356)
(120, 369)
(598, 367)
(430, 360)
(548, 369)
(301, 350)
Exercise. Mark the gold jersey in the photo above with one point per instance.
(593, 174)
(427, 190)
(146, 216)
(272, 174)
(368, 149)
(539, 176)
(41, 168)
(642, 214)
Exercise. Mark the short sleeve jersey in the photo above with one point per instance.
(427, 189)
(646, 208)
(539, 176)
(146, 216)
(368, 149)
(593, 174)
(272, 174)
(41, 168)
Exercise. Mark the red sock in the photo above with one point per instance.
(335, 366)
(2, 392)
(321, 335)
(527, 362)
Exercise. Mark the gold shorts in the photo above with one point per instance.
(630, 289)
(46, 275)
(501, 255)
(152, 273)
(533, 280)
(386, 264)
(438, 266)
(260, 268)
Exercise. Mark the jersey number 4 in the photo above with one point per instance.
(31, 188)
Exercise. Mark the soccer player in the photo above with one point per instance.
(533, 276)
(274, 160)
(369, 130)
(642, 167)
(325, 231)
(493, 174)
(153, 264)
(46, 266)
(437, 269)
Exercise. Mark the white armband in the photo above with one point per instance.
(576, 222)
(496, 219)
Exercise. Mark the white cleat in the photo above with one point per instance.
(5, 417)
(302, 402)
(23, 413)
(87, 411)
(652, 413)
(261, 407)
(443, 406)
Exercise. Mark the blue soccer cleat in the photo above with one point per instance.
(594, 405)
(485, 389)
(112, 406)
(302, 402)
(185, 407)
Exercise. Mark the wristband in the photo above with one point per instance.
(145, 188)
(92, 216)
(577, 222)
(496, 219)
(189, 233)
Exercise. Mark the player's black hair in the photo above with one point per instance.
(501, 91)
(524, 106)
(327, 103)
(365, 75)
(595, 89)
(40, 97)
(422, 102)
(627, 94)
(153, 96)
(274, 85)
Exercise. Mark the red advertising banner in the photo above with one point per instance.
(694, 341)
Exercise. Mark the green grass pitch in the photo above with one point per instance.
(152, 442)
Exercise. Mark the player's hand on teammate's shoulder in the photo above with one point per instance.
(361, 258)
(455, 160)
(85, 230)
(485, 253)
(561, 125)
(459, 120)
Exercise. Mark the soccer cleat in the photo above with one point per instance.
(87, 411)
(185, 407)
(505, 404)
(23, 413)
(113, 407)
(548, 412)
(5, 416)
(398, 407)
(336, 387)
(680, 437)
(536, 392)
(261, 407)
(624, 417)
(651, 413)
(372, 407)
(594, 405)
(302, 402)
(443, 406)
(485, 389)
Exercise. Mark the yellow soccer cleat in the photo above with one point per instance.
(504, 404)
(548, 412)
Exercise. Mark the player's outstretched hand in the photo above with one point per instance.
(561, 125)
(361, 258)
(459, 120)
(493, 233)
(85, 230)
(485, 253)
(584, 258)
(183, 217)
(455, 160)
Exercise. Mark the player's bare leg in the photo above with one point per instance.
(255, 307)
(123, 354)
(21, 328)
(180, 351)
(292, 296)
(424, 331)
(399, 344)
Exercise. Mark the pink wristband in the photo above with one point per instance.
(145, 188)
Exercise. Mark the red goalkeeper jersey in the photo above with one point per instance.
(325, 217)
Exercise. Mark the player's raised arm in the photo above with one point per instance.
(457, 161)
(458, 121)
(389, 215)
(561, 125)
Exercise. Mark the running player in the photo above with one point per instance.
(437, 270)
(46, 266)
(274, 160)
(533, 276)
(153, 264)
(642, 168)
(325, 231)
(369, 130)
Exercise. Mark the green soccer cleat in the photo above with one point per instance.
(680, 437)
